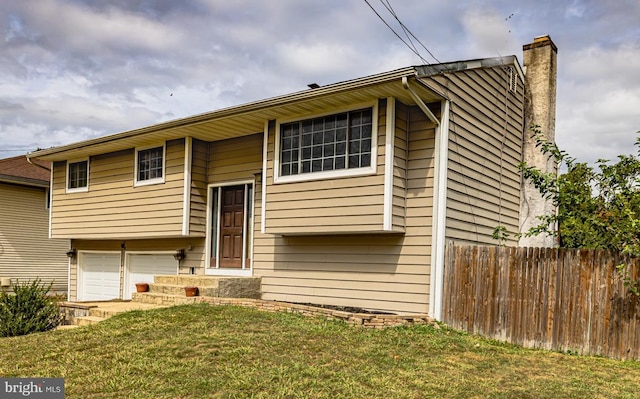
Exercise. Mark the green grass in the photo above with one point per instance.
(200, 351)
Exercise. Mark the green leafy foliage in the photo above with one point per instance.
(27, 309)
(598, 207)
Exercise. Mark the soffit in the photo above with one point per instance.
(245, 120)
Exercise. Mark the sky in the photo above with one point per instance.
(72, 70)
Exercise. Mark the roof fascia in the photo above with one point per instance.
(236, 110)
(23, 181)
(425, 71)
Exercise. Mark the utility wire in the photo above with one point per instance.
(406, 29)
(387, 5)
(395, 33)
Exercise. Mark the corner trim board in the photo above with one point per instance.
(263, 202)
(388, 163)
(186, 199)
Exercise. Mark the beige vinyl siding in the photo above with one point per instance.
(399, 193)
(113, 207)
(290, 211)
(198, 206)
(194, 250)
(26, 252)
(387, 272)
(235, 159)
(485, 144)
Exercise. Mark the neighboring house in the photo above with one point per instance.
(343, 194)
(26, 252)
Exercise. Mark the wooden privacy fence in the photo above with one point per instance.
(559, 299)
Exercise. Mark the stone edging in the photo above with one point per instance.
(367, 320)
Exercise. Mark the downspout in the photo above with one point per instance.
(439, 214)
(35, 164)
(439, 200)
(418, 100)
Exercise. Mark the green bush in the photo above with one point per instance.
(27, 309)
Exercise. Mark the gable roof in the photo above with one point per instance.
(19, 170)
(249, 118)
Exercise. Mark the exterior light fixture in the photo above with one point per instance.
(179, 255)
(72, 253)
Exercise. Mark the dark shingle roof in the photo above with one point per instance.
(18, 170)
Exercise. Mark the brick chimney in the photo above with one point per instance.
(540, 67)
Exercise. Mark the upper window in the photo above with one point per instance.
(150, 165)
(78, 176)
(325, 144)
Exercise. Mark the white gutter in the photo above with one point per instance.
(186, 197)
(221, 114)
(436, 291)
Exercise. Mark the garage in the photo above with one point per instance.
(141, 267)
(99, 278)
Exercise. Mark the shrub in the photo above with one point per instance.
(27, 309)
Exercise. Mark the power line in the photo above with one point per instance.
(410, 45)
(395, 33)
(404, 27)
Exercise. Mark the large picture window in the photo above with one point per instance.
(328, 143)
(78, 176)
(150, 165)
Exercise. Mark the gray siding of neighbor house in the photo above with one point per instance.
(26, 252)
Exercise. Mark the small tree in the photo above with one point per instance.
(28, 309)
(597, 207)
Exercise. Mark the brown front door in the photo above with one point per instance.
(231, 226)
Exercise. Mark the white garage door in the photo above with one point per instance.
(99, 277)
(142, 267)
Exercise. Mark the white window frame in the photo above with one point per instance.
(77, 189)
(247, 242)
(157, 180)
(361, 171)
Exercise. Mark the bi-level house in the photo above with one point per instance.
(343, 194)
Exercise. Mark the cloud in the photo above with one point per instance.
(487, 32)
(75, 69)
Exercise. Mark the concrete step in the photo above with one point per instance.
(200, 281)
(169, 289)
(163, 299)
(214, 286)
(87, 320)
(104, 313)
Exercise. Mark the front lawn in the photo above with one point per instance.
(200, 351)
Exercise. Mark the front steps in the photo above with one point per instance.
(169, 290)
(164, 291)
(85, 313)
